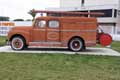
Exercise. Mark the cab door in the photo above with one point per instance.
(39, 31)
(53, 31)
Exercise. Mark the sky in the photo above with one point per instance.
(19, 8)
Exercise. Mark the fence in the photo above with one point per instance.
(5, 26)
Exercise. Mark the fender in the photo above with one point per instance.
(25, 34)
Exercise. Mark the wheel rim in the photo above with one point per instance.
(76, 45)
(17, 43)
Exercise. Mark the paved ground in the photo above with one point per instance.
(89, 51)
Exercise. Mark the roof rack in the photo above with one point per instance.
(68, 13)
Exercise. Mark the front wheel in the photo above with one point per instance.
(76, 44)
(17, 43)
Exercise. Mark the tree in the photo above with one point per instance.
(3, 18)
(32, 14)
(28, 20)
(18, 20)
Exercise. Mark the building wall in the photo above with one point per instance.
(77, 3)
(98, 2)
(118, 19)
(107, 28)
(70, 3)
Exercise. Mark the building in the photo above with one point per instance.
(109, 22)
(118, 19)
(78, 3)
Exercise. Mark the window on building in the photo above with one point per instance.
(107, 13)
(115, 13)
(53, 24)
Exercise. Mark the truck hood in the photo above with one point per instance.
(25, 28)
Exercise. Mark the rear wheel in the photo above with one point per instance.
(18, 43)
(76, 44)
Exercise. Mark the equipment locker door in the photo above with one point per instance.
(53, 31)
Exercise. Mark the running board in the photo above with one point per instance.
(45, 44)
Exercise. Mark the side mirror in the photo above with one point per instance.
(99, 30)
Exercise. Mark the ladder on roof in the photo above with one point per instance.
(64, 13)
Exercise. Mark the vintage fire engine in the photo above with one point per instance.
(71, 30)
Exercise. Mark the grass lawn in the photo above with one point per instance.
(59, 66)
(116, 45)
(2, 40)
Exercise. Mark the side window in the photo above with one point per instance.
(53, 24)
(40, 24)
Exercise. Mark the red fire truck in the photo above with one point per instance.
(72, 30)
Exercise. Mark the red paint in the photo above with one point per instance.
(105, 39)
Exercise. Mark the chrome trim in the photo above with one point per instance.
(71, 30)
(78, 30)
(56, 30)
(39, 30)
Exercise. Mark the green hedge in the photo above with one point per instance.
(3, 40)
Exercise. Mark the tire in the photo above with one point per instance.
(17, 43)
(76, 44)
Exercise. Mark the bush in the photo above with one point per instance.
(3, 40)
